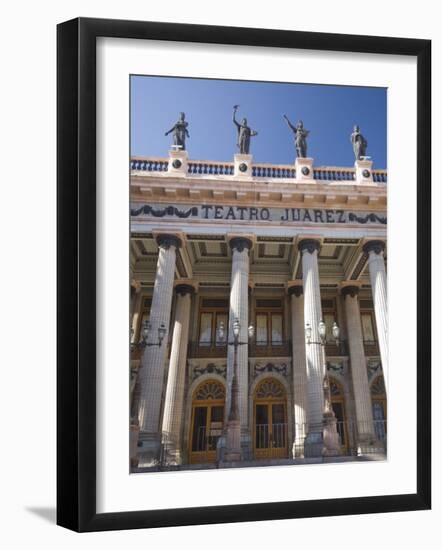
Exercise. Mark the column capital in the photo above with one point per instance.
(240, 244)
(374, 246)
(166, 240)
(350, 290)
(295, 290)
(309, 245)
(184, 288)
(136, 285)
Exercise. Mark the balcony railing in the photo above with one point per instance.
(198, 350)
(213, 349)
(270, 349)
(268, 171)
(371, 347)
(339, 350)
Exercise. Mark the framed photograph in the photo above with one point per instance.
(243, 274)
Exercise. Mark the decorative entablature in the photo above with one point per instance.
(157, 180)
(270, 365)
(198, 368)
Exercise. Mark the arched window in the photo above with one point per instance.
(207, 421)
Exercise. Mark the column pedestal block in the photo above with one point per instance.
(242, 165)
(149, 449)
(178, 163)
(313, 445)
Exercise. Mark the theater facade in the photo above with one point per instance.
(258, 312)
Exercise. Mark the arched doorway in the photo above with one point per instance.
(379, 407)
(338, 406)
(270, 420)
(207, 421)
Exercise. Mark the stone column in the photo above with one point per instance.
(299, 371)
(239, 308)
(135, 307)
(361, 389)
(152, 361)
(378, 279)
(315, 360)
(176, 378)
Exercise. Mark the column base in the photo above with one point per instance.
(246, 445)
(133, 441)
(298, 448)
(149, 449)
(171, 454)
(314, 445)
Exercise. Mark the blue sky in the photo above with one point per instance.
(329, 112)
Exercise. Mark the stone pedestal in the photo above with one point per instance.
(176, 379)
(363, 171)
(152, 362)
(178, 163)
(242, 166)
(299, 369)
(304, 170)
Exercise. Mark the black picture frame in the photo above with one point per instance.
(76, 273)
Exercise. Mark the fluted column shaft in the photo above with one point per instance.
(239, 309)
(135, 307)
(361, 388)
(378, 279)
(314, 352)
(300, 402)
(176, 378)
(152, 361)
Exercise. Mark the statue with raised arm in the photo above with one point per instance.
(244, 133)
(300, 137)
(359, 143)
(180, 133)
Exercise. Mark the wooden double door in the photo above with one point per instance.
(270, 420)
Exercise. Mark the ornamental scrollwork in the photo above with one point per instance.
(210, 368)
(368, 218)
(146, 209)
(281, 368)
(374, 367)
(336, 368)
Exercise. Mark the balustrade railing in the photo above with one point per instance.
(269, 171)
(149, 165)
(210, 168)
